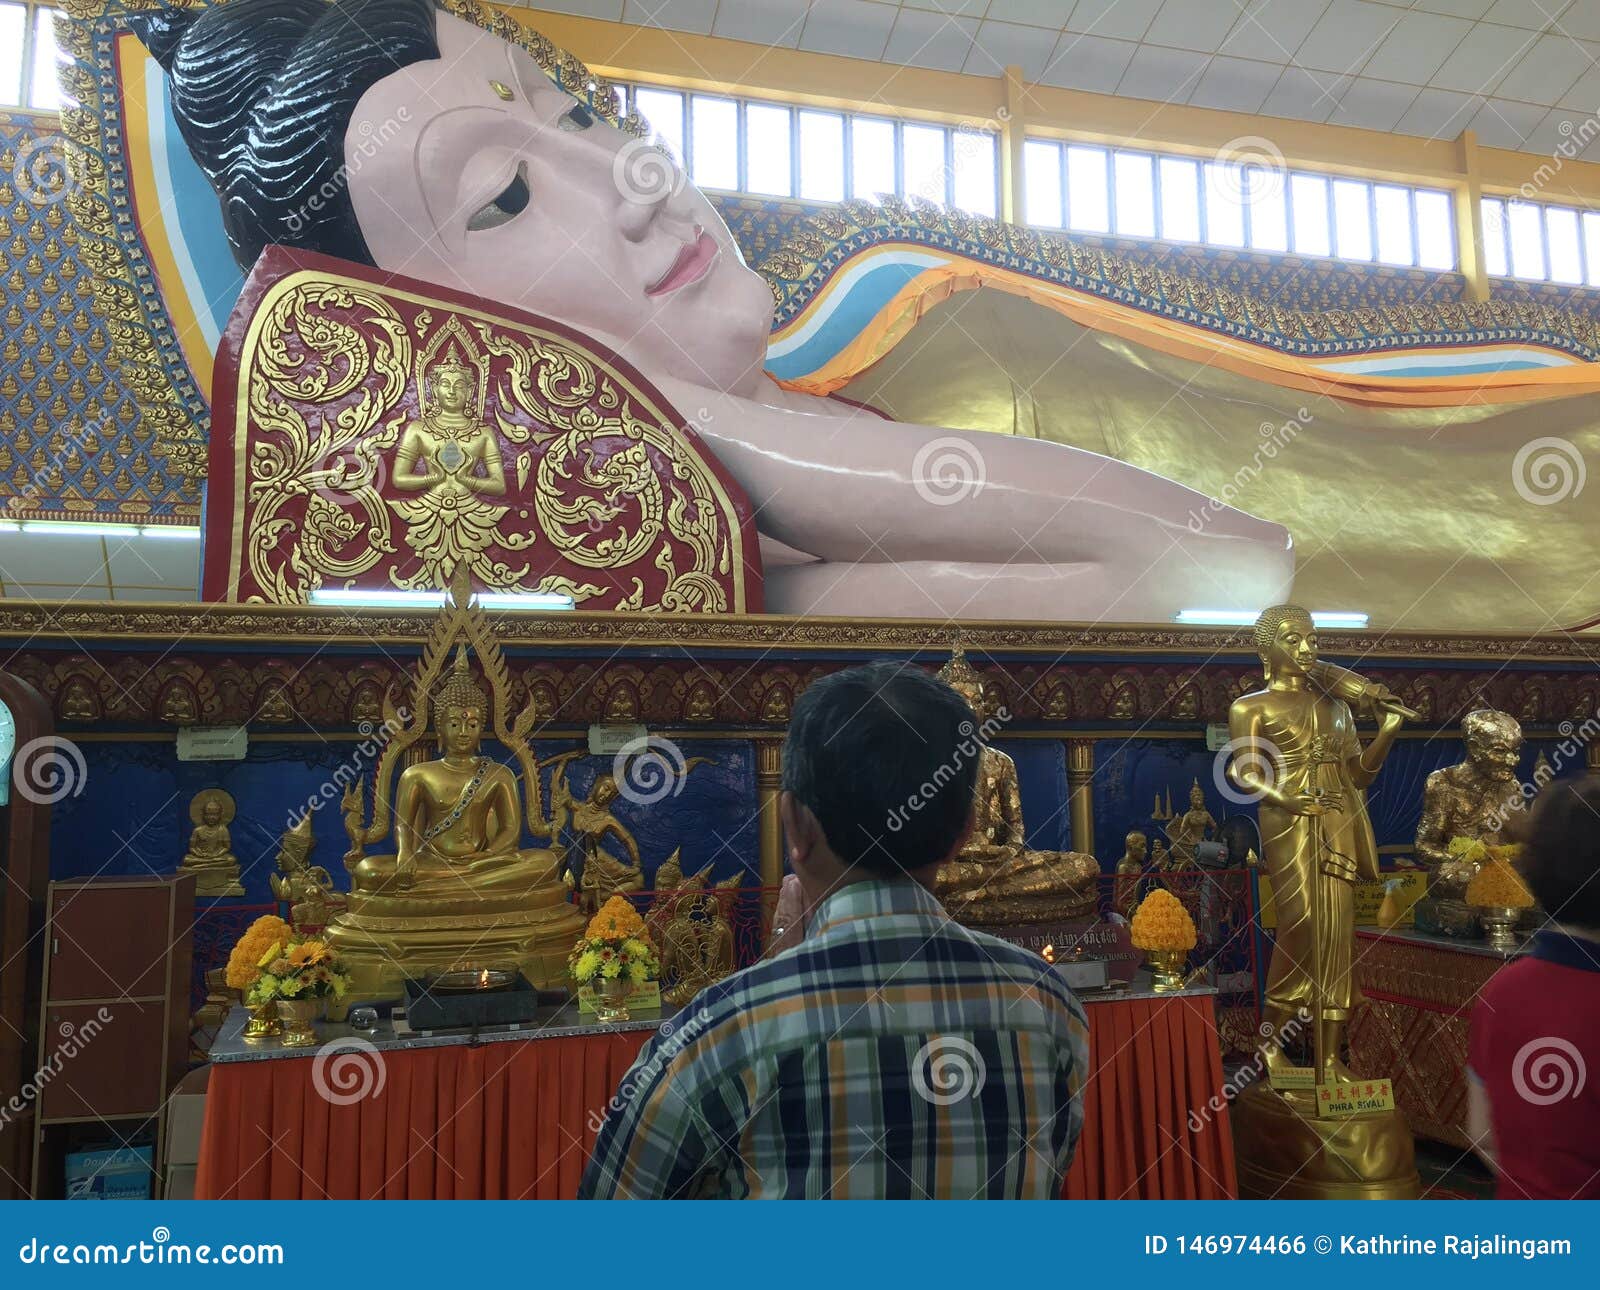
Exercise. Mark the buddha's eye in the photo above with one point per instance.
(510, 202)
(576, 117)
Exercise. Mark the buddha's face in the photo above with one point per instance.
(1135, 842)
(605, 791)
(1197, 797)
(1495, 748)
(450, 390)
(460, 729)
(211, 814)
(1293, 649)
(489, 179)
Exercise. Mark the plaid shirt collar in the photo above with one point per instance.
(874, 898)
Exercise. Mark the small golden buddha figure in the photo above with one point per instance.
(603, 874)
(1130, 873)
(460, 888)
(1160, 859)
(1124, 702)
(997, 880)
(701, 703)
(1058, 702)
(366, 705)
(78, 701)
(622, 704)
(274, 706)
(178, 705)
(1473, 799)
(210, 857)
(1192, 827)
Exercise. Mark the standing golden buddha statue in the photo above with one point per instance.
(460, 889)
(1295, 749)
(997, 881)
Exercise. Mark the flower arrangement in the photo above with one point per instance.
(615, 946)
(1472, 850)
(244, 964)
(1497, 884)
(305, 968)
(1162, 923)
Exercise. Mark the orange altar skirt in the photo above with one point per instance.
(517, 1120)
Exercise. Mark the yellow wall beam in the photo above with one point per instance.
(1468, 200)
(825, 80)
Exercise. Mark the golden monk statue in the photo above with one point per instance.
(997, 880)
(1296, 750)
(1472, 799)
(460, 889)
(1130, 873)
(210, 856)
(1189, 829)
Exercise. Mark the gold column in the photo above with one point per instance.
(1591, 755)
(1080, 777)
(1468, 198)
(769, 782)
(1011, 136)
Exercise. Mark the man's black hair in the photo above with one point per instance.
(886, 757)
(263, 92)
(1561, 856)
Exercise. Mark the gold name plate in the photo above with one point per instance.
(1363, 1097)
(642, 998)
(1295, 1077)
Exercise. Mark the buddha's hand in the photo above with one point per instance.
(1310, 804)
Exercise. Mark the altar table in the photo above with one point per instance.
(515, 1115)
(1421, 988)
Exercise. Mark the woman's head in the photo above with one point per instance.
(1561, 859)
(387, 132)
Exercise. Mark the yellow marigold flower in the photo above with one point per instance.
(1162, 923)
(1498, 884)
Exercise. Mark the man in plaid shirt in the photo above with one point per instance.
(893, 1052)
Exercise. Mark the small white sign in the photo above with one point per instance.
(608, 741)
(1216, 736)
(212, 743)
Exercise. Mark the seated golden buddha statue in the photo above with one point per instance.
(210, 855)
(460, 889)
(997, 880)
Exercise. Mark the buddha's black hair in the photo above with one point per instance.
(263, 91)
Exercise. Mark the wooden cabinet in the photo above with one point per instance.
(114, 1020)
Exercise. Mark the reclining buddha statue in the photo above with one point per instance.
(997, 880)
(460, 889)
(490, 179)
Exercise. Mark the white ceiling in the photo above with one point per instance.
(1523, 74)
(117, 563)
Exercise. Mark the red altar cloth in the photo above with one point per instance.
(517, 1119)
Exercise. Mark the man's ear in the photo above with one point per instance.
(799, 828)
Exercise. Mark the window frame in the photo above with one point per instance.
(31, 12)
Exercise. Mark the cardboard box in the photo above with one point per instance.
(180, 1183)
(186, 1113)
(122, 1173)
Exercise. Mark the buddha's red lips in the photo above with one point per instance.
(692, 264)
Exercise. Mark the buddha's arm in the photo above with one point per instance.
(407, 801)
(1057, 503)
(1433, 842)
(1011, 806)
(507, 817)
(1364, 764)
(616, 826)
(493, 479)
(406, 458)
